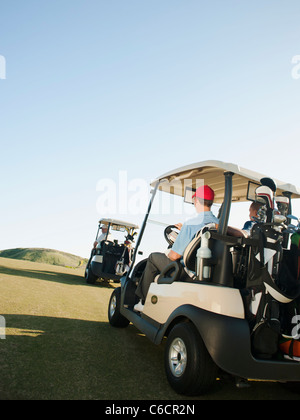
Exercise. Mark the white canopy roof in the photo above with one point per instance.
(211, 172)
(118, 223)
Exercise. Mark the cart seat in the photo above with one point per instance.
(184, 270)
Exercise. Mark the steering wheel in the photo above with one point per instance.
(170, 233)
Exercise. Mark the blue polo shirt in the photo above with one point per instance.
(190, 228)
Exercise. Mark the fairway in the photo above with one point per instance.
(59, 344)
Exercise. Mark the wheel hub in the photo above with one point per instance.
(113, 305)
(177, 357)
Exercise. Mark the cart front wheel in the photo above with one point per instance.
(114, 316)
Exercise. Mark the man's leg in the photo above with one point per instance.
(157, 261)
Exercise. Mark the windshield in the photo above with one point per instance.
(116, 235)
(167, 209)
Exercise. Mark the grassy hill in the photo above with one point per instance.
(46, 256)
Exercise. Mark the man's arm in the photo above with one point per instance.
(238, 233)
(173, 256)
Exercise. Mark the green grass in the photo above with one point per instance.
(59, 344)
(44, 255)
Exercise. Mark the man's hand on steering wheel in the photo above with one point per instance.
(171, 232)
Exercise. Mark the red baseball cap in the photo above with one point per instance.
(205, 192)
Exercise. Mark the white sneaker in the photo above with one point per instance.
(139, 307)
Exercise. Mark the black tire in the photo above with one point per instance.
(89, 276)
(189, 368)
(87, 268)
(114, 316)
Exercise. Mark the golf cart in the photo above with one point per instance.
(233, 302)
(110, 259)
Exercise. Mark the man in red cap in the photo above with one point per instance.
(203, 200)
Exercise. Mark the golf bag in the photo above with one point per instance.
(273, 280)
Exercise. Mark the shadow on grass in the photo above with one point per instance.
(56, 358)
(60, 277)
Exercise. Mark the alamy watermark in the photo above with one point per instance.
(131, 196)
(296, 69)
(296, 329)
(2, 328)
(2, 67)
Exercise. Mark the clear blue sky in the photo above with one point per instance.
(97, 86)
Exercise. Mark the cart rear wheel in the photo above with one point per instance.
(114, 316)
(90, 276)
(189, 367)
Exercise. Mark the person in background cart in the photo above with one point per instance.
(103, 237)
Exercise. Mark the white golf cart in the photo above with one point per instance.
(110, 259)
(233, 302)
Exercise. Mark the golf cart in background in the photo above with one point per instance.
(233, 303)
(110, 259)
